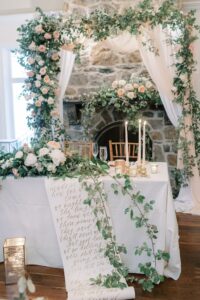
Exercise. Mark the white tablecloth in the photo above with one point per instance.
(25, 211)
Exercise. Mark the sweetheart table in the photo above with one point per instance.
(25, 212)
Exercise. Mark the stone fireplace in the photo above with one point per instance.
(109, 124)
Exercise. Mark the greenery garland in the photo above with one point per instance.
(100, 25)
(41, 38)
(39, 45)
(138, 213)
(128, 97)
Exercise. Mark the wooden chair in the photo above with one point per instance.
(81, 148)
(117, 150)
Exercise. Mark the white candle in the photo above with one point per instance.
(139, 142)
(126, 142)
(144, 142)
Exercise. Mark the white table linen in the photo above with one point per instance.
(25, 211)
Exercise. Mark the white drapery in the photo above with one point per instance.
(67, 63)
(161, 70)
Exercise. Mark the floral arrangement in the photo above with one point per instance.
(128, 97)
(39, 45)
(49, 160)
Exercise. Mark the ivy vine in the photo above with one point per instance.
(137, 212)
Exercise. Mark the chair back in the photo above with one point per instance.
(80, 148)
(117, 150)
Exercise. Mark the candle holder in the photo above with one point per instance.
(133, 171)
(142, 170)
(120, 166)
(14, 259)
(154, 168)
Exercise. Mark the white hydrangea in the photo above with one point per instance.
(19, 154)
(30, 160)
(57, 156)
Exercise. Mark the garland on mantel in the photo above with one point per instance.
(128, 97)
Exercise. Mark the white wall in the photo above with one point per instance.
(24, 6)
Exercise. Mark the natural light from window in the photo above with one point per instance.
(18, 75)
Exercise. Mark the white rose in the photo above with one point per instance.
(135, 85)
(19, 154)
(50, 101)
(32, 46)
(37, 83)
(115, 84)
(43, 151)
(39, 167)
(31, 60)
(51, 168)
(57, 156)
(174, 89)
(30, 160)
(39, 29)
(41, 98)
(122, 82)
(131, 95)
(41, 62)
(148, 84)
(183, 77)
(44, 90)
(128, 87)
(39, 77)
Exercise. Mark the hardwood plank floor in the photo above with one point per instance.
(50, 282)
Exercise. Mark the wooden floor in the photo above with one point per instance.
(50, 282)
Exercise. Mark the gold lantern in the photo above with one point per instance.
(14, 259)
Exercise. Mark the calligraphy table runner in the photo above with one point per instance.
(80, 243)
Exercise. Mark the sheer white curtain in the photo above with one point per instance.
(161, 70)
(67, 63)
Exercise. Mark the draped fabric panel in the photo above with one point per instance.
(67, 63)
(161, 70)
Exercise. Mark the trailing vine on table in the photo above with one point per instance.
(137, 212)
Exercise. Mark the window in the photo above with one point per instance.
(18, 75)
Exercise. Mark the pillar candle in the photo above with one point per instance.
(144, 142)
(126, 142)
(139, 142)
